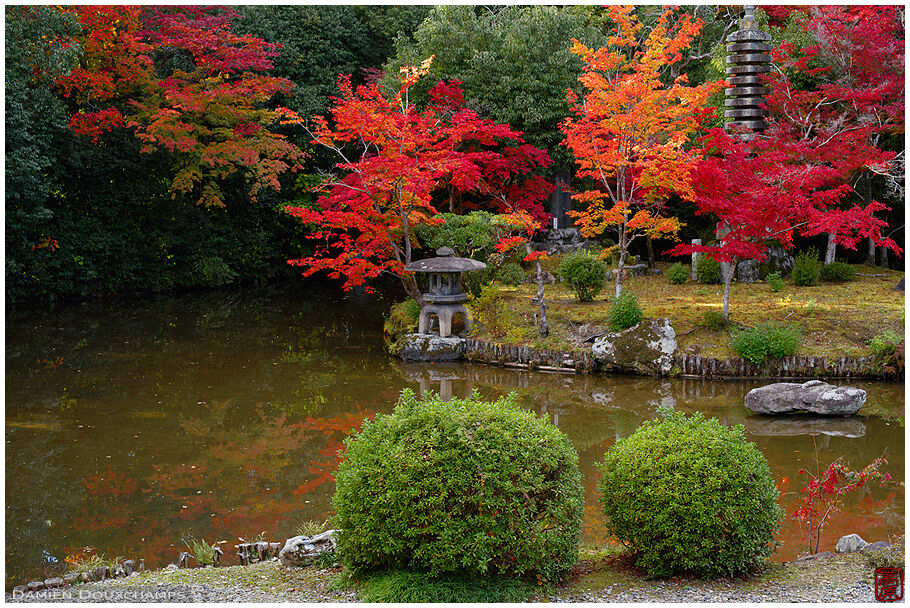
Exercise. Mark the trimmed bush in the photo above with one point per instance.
(510, 273)
(708, 270)
(806, 268)
(774, 339)
(459, 486)
(775, 282)
(584, 274)
(713, 319)
(625, 312)
(690, 495)
(837, 272)
(677, 274)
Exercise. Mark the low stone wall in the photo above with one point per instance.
(688, 366)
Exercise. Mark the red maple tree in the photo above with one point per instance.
(856, 65)
(398, 164)
(183, 82)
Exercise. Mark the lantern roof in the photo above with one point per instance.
(445, 261)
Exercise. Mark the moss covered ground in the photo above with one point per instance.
(837, 319)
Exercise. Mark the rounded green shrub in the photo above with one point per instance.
(770, 338)
(677, 274)
(838, 272)
(459, 486)
(713, 319)
(510, 273)
(625, 312)
(707, 269)
(584, 274)
(775, 282)
(806, 268)
(690, 495)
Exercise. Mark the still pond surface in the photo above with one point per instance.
(131, 426)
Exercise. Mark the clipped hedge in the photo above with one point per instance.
(689, 495)
(459, 486)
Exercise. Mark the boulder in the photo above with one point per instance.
(301, 551)
(72, 578)
(900, 285)
(19, 590)
(815, 396)
(877, 545)
(748, 272)
(646, 349)
(850, 544)
(53, 583)
(777, 260)
(429, 347)
(638, 270)
(35, 585)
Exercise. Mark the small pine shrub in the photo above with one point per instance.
(775, 339)
(510, 273)
(708, 270)
(677, 274)
(689, 495)
(775, 282)
(584, 274)
(420, 588)
(625, 312)
(713, 319)
(837, 272)
(806, 268)
(202, 551)
(460, 486)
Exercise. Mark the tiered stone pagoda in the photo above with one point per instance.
(445, 297)
(748, 56)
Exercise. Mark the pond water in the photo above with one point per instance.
(131, 426)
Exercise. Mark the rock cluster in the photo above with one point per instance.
(429, 347)
(815, 397)
(647, 349)
(301, 551)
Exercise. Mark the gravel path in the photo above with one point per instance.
(842, 578)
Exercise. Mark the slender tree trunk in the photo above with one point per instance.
(831, 250)
(623, 245)
(650, 245)
(870, 253)
(543, 328)
(728, 281)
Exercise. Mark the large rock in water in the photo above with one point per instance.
(429, 347)
(815, 396)
(645, 349)
(301, 551)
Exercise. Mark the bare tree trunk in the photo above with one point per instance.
(870, 253)
(412, 289)
(883, 256)
(831, 250)
(728, 281)
(650, 245)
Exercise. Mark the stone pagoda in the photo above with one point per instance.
(748, 57)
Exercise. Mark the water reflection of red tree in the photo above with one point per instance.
(335, 429)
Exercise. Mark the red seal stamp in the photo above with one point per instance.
(889, 584)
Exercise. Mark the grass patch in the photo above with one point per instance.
(418, 587)
(837, 319)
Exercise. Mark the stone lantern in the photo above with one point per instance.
(445, 297)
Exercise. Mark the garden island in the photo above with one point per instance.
(455, 303)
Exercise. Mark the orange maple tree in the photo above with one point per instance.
(630, 132)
